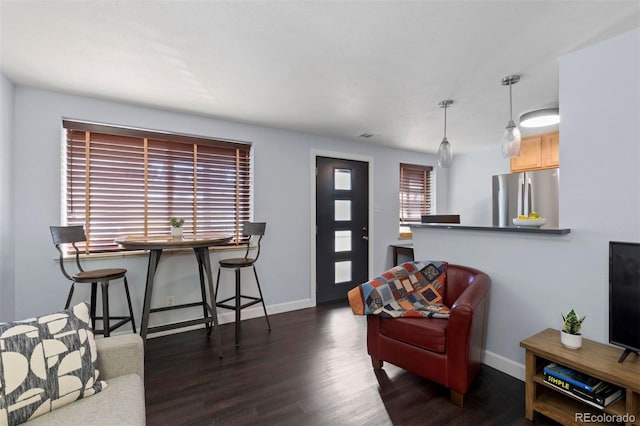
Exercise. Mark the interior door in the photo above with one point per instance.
(342, 227)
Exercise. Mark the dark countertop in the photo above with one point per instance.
(523, 230)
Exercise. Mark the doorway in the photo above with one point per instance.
(342, 227)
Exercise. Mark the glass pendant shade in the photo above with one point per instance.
(511, 140)
(445, 155)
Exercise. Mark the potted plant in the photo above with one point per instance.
(176, 227)
(570, 335)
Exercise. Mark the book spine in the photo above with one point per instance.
(577, 392)
(567, 379)
(603, 394)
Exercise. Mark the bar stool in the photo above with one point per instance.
(255, 231)
(74, 234)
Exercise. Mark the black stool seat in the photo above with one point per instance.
(236, 262)
(71, 235)
(104, 274)
(249, 229)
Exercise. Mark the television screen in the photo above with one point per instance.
(624, 295)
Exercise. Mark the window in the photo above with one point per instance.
(415, 194)
(120, 181)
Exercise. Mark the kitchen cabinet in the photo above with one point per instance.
(538, 152)
(550, 150)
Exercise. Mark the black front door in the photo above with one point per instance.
(342, 226)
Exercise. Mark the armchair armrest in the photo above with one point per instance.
(466, 332)
(119, 355)
(469, 300)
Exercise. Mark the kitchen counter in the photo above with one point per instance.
(543, 231)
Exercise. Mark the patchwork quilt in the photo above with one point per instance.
(413, 289)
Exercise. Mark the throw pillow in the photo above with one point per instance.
(46, 363)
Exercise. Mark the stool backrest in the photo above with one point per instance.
(253, 229)
(65, 235)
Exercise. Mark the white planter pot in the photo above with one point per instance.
(571, 341)
(176, 232)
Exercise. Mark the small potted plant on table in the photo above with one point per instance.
(176, 227)
(570, 335)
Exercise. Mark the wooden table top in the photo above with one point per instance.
(167, 242)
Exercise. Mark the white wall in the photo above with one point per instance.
(7, 234)
(282, 188)
(535, 278)
(470, 185)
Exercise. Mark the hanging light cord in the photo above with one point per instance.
(510, 102)
(445, 121)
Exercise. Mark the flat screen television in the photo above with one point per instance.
(624, 296)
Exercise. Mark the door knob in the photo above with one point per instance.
(365, 238)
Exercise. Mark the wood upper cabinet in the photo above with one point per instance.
(551, 150)
(538, 152)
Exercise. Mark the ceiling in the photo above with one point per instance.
(332, 68)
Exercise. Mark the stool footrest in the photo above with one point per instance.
(181, 324)
(253, 300)
(114, 326)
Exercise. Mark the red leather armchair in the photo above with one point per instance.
(445, 351)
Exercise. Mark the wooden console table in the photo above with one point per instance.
(593, 358)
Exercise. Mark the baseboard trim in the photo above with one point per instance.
(507, 366)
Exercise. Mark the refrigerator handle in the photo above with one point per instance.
(531, 200)
(521, 195)
(527, 197)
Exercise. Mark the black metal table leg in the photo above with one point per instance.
(106, 331)
(238, 307)
(154, 258)
(203, 291)
(203, 254)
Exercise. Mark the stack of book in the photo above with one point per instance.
(588, 389)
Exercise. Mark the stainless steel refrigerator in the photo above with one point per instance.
(521, 193)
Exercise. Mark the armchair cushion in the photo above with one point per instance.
(430, 335)
(413, 289)
(46, 363)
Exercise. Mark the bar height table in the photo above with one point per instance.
(200, 245)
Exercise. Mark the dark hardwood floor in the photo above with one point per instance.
(311, 369)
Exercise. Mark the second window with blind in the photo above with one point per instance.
(121, 181)
(415, 195)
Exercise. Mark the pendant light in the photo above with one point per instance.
(511, 138)
(445, 155)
